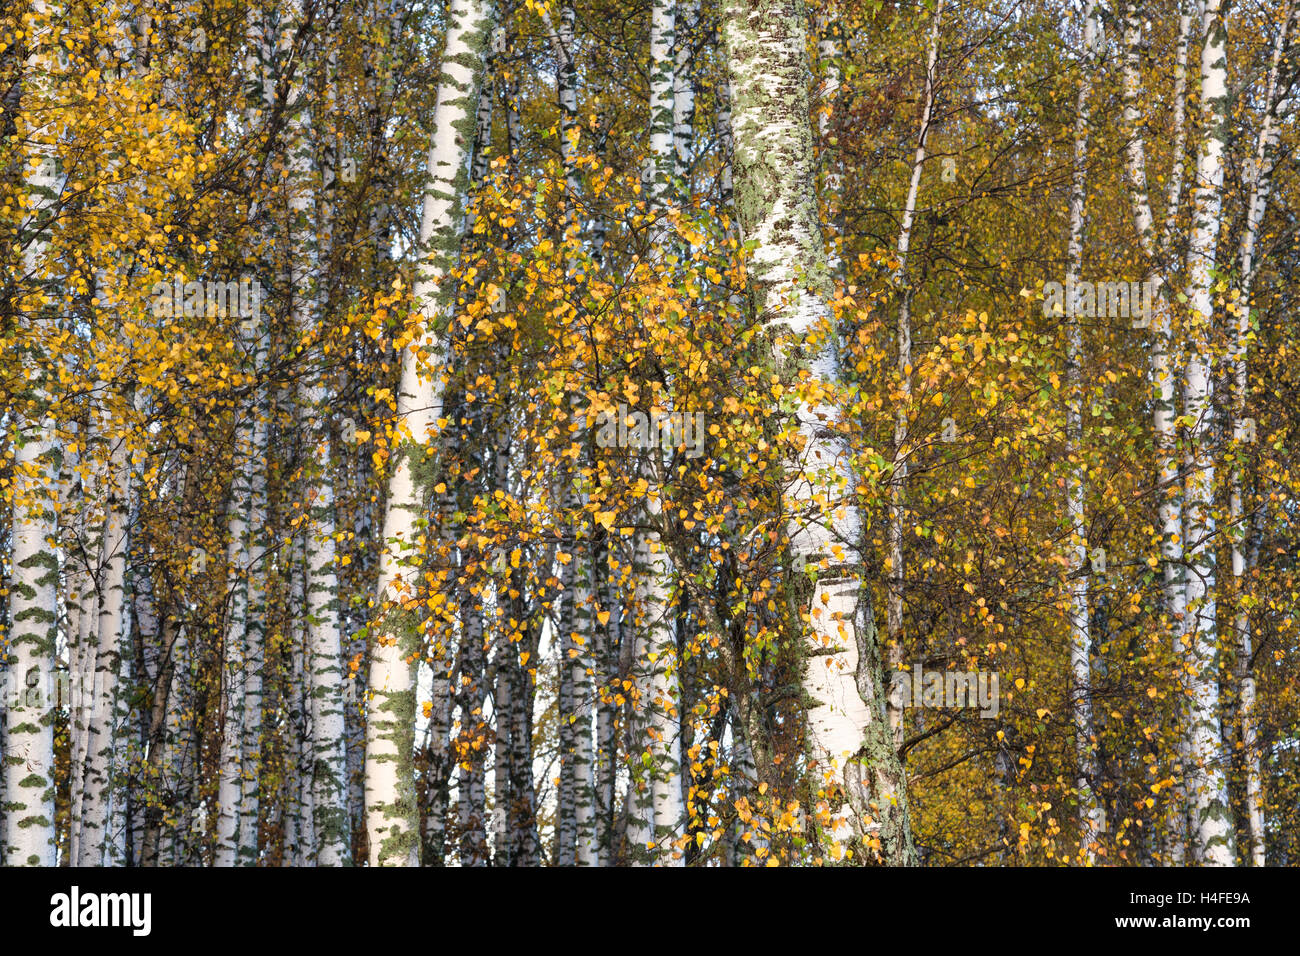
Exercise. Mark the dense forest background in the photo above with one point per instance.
(564, 433)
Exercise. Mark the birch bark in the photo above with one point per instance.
(391, 814)
(863, 795)
(104, 835)
(902, 452)
(1211, 823)
(1091, 816)
(30, 835)
(659, 807)
(1165, 362)
(324, 655)
(1260, 184)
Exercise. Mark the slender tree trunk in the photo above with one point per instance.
(502, 707)
(231, 716)
(104, 835)
(162, 752)
(1165, 364)
(1091, 816)
(1212, 836)
(655, 809)
(525, 845)
(82, 655)
(296, 804)
(575, 823)
(472, 753)
(686, 23)
(898, 486)
(1175, 193)
(1260, 186)
(609, 601)
(308, 251)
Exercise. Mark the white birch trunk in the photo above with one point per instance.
(1091, 816)
(296, 805)
(898, 486)
(502, 707)
(33, 591)
(324, 654)
(232, 663)
(659, 807)
(82, 655)
(241, 681)
(575, 824)
(391, 815)
(686, 22)
(104, 836)
(1260, 186)
(471, 794)
(657, 678)
(862, 790)
(1212, 837)
(566, 815)
(1164, 361)
(1175, 193)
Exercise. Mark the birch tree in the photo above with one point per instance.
(1211, 833)
(324, 637)
(863, 791)
(1165, 353)
(1091, 816)
(1258, 181)
(898, 486)
(103, 839)
(654, 800)
(390, 795)
(33, 594)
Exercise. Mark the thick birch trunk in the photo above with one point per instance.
(391, 813)
(657, 658)
(34, 586)
(863, 792)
